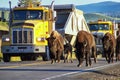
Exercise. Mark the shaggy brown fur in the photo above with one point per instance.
(67, 52)
(85, 47)
(56, 46)
(109, 44)
(118, 48)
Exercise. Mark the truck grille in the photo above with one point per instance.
(22, 35)
(98, 41)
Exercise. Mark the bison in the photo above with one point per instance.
(67, 52)
(56, 46)
(85, 47)
(109, 44)
(118, 48)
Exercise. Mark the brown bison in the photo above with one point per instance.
(109, 44)
(118, 48)
(85, 47)
(67, 52)
(56, 46)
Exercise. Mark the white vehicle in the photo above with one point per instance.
(69, 21)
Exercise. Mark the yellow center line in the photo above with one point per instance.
(22, 65)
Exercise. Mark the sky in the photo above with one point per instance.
(5, 3)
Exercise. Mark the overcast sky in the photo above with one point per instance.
(4, 3)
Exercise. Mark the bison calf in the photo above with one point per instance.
(67, 52)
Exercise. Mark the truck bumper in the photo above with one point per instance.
(99, 48)
(23, 49)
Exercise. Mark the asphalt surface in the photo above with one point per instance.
(41, 70)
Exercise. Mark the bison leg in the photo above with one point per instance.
(80, 62)
(70, 52)
(90, 62)
(65, 57)
(112, 56)
(68, 57)
(94, 54)
(59, 56)
(52, 61)
(106, 56)
(109, 58)
(88, 59)
(117, 56)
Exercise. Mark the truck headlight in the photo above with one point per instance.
(41, 39)
(7, 39)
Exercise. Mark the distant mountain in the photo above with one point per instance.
(102, 7)
(4, 9)
(97, 16)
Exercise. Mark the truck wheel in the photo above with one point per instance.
(23, 58)
(6, 58)
(44, 58)
(32, 57)
(28, 57)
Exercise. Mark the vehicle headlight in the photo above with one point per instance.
(7, 39)
(41, 39)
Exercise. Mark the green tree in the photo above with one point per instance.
(27, 2)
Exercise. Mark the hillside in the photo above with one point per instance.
(97, 16)
(108, 7)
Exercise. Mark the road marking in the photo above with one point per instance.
(22, 65)
(80, 71)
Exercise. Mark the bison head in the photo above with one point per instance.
(106, 42)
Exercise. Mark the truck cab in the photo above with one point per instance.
(30, 25)
(98, 29)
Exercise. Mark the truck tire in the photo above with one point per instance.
(6, 57)
(44, 58)
(23, 58)
(28, 57)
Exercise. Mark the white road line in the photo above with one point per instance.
(80, 71)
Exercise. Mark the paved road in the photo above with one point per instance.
(39, 70)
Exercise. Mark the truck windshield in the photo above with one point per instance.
(93, 27)
(27, 14)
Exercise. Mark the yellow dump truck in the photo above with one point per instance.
(98, 29)
(32, 23)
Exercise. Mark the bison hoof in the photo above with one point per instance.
(95, 61)
(87, 65)
(79, 65)
(71, 61)
(52, 62)
(58, 61)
